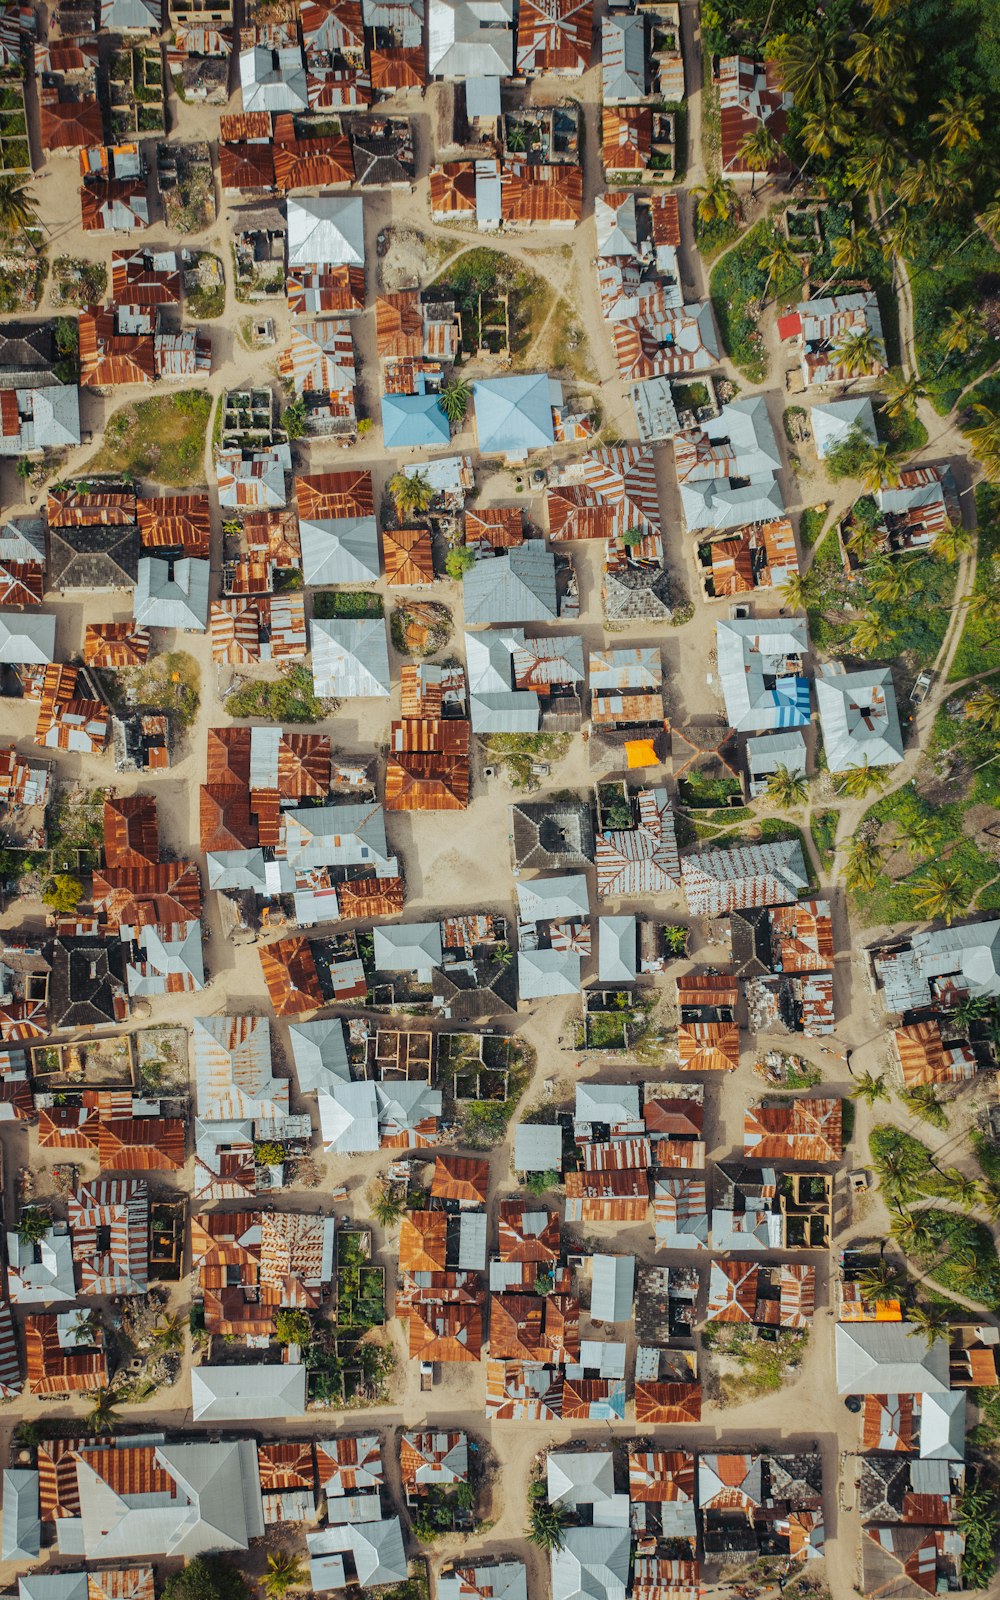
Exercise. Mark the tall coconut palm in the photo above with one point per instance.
(795, 591)
(925, 1100)
(778, 261)
(912, 1233)
(898, 579)
(983, 707)
(455, 397)
(546, 1525)
(864, 539)
(823, 129)
(168, 1335)
(759, 151)
(850, 250)
(863, 865)
(989, 219)
(930, 1323)
(859, 352)
(880, 470)
(872, 166)
(17, 209)
(387, 1206)
(103, 1415)
(898, 237)
(870, 1089)
(956, 124)
(862, 779)
(903, 394)
(963, 330)
(33, 1225)
(807, 67)
(942, 893)
(870, 636)
(715, 199)
(787, 788)
(966, 1192)
(922, 835)
(412, 494)
(883, 1281)
(950, 542)
(285, 1571)
(878, 56)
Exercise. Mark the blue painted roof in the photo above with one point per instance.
(791, 699)
(410, 420)
(514, 414)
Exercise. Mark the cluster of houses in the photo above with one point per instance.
(910, 1398)
(640, 1540)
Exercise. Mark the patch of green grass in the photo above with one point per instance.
(961, 1256)
(916, 1175)
(764, 1365)
(347, 603)
(985, 1435)
(823, 827)
(738, 284)
(520, 751)
(914, 626)
(206, 303)
(290, 698)
(811, 525)
(162, 439)
(979, 647)
(902, 812)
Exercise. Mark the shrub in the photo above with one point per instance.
(292, 1326)
(459, 560)
(63, 893)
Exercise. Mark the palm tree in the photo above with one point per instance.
(284, 1571)
(859, 352)
(759, 152)
(546, 1525)
(806, 67)
(787, 788)
(957, 123)
(930, 1322)
(964, 329)
(983, 707)
(874, 166)
(971, 1008)
(984, 439)
(924, 1099)
(103, 1415)
(904, 393)
(794, 592)
(168, 1336)
(870, 1088)
(893, 581)
(898, 236)
(893, 1172)
(876, 56)
(880, 471)
(411, 493)
(455, 397)
(33, 1225)
(911, 1233)
(17, 209)
(864, 863)
(883, 1281)
(921, 835)
(850, 250)
(864, 539)
(965, 1192)
(823, 129)
(387, 1206)
(942, 893)
(777, 261)
(715, 199)
(860, 780)
(870, 635)
(948, 544)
